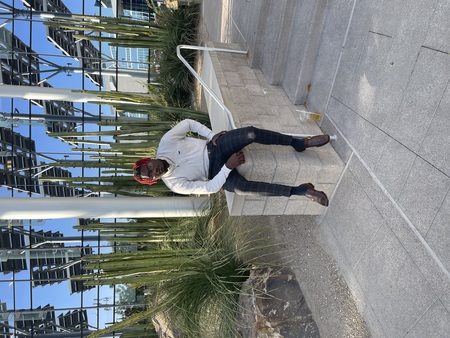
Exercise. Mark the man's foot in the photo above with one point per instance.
(307, 186)
(316, 141)
(300, 144)
(317, 196)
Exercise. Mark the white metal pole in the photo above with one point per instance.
(111, 72)
(48, 93)
(114, 207)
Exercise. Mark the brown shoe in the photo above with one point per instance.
(317, 141)
(317, 196)
(307, 186)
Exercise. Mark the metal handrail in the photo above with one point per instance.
(210, 91)
(205, 86)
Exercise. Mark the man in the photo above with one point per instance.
(195, 166)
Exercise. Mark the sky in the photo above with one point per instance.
(19, 294)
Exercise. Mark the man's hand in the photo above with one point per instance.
(215, 137)
(235, 160)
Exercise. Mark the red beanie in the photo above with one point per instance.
(138, 164)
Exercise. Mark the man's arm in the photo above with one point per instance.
(182, 185)
(180, 130)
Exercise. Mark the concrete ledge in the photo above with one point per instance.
(303, 49)
(278, 28)
(283, 41)
(252, 101)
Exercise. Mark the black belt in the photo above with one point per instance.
(209, 147)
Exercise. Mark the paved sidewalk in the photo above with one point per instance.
(379, 72)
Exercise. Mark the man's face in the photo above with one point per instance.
(153, 169)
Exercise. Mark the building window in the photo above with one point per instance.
(128, 57)
(142, 58)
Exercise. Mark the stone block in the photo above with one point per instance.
(264, 106)
(260, 105)
(275, 205)
(285, 115)
(253, 207)
(233, 79)
(421, 99)
(277, 33)
(353, 217)
(435, 147)
(423, 194)
(286, 167)
(351, 53)
(439, 28)
(263, 165)
(296, 206)
(269, 122)
(326, 62)
(421, 252)
(364, 92)
(393, 166)
(257, 23)
(341, 147)
(303, 48)
(435, 323)
(325, 234)
(438, 237)
(239, 94)
(366, 138)
(393, 284)
(255, 90)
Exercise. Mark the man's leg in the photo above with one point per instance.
(236, 139)
(238, 184)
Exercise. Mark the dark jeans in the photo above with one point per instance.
(233, 141)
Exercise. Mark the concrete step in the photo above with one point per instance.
(303, 48)
(277, 29)
(286, 49)
(253, 101)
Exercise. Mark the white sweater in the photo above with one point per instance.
(188, 160)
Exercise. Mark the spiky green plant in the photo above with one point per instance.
(123, 32)
(181, 29)
(198, 279)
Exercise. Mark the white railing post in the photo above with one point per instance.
(210, 91)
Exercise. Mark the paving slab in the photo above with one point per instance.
(438, 236)
(304, 41)
(361, 79)
(438, 35)
(347, 74)
(381, 77)
(392, 283)
(334, 30)
(393, 166)
(365, 137)
(434, 147)
(422, 96)
(353, 219)
(418, 248)
(260, 104)
(435, 323)
(423, 194)
(277, 29)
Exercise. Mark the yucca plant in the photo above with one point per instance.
(198, 279)
(181, 29)
(123, 32)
